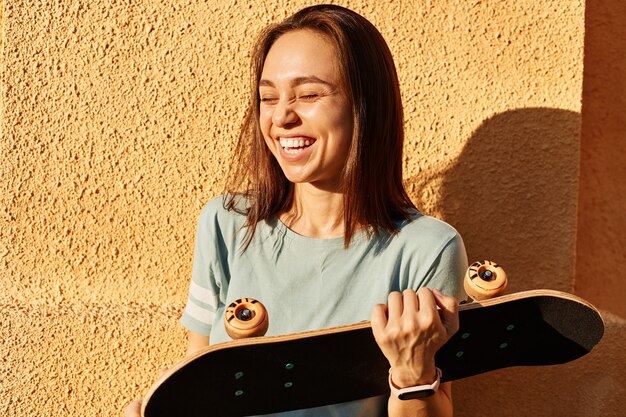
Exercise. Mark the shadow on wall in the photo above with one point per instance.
(512, 195)
(601, 248)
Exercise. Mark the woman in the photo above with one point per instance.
(326, 234)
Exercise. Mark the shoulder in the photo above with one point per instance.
(420, 238)
(215, 209)
(426, 238)
(421, 228)
(216, 219)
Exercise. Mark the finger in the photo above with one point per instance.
(426, 298)
(133, 409)
(410, 302)
(378, 319)
(428, 305)
(395, 306)
(449, 311)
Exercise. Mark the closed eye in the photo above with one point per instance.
(309, 97)
(269, 100)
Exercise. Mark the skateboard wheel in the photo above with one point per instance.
(484, 280)
(246, 317)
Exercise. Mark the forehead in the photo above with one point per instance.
(302, 53)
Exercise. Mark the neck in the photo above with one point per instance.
(315, 213)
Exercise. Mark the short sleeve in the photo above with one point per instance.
(203, 296)
(448, 269)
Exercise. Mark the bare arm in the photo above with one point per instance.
(196, 342)
(409, 330)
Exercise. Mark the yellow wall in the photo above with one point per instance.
(117, 123)
(601, 247)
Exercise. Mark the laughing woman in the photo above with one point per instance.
(323, 231)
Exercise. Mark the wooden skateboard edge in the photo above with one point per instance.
(355, 326)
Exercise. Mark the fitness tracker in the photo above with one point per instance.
(416, 392)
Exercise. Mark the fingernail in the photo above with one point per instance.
(437, 292)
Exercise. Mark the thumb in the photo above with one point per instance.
(133, 409)
(449, 311)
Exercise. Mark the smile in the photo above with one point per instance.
(296, 144)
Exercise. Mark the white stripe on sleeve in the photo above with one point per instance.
(199, 313)
(203, 295)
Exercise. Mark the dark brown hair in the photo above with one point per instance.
(374, 195)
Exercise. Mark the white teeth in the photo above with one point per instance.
(295, 143)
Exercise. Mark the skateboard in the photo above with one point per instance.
(261, 375)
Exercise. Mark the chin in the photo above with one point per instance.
(296, 179)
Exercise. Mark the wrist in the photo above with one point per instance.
(418, 391)
(411, 377)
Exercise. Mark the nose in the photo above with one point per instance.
(284, 114)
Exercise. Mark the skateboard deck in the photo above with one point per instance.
(262, 375)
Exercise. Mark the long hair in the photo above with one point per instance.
(374, 195)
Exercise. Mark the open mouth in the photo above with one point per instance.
(296, 145)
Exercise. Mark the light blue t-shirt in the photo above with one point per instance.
(308, 283)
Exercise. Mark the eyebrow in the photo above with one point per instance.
(309, 79)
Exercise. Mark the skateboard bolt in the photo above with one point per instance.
(487, 275)
(290, 366)
(238, 393)
(245, 314)
(288, 384)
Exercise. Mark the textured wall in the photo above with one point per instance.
(601, 243)
(117, 123)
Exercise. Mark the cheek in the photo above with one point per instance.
(265, 117)
(338, 115)
(265, 124)
(269, 144)
(343, 125)
(334, 119)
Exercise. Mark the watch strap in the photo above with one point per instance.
(415, 392)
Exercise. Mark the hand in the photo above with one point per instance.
(133, 409)
(410, 329)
